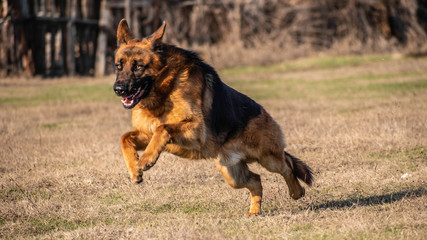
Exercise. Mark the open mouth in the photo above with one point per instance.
(130, 98)
(133, 99)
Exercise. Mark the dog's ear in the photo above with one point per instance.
(124, 35)
(156, 38)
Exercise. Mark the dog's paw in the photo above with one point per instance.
(248, 214)
(137, 178)
(298, 194)
(147, 162)
(148, 166)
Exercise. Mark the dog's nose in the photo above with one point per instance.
(120, 89)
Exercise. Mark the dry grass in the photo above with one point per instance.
(359, 122)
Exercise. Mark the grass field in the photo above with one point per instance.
(359, 122)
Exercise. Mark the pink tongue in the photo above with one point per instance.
(127, 100)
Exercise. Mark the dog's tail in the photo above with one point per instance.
(300, 169)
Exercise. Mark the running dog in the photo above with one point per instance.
(180, 105)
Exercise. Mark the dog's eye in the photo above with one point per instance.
(119, 67)
(139, 67)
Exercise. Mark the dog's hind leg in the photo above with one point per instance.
(239, 176)
(278, 164)
(132, 142)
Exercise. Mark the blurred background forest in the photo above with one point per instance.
(77, 37)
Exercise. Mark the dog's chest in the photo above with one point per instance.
(144, 121)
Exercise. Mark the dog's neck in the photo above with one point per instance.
(165, 81)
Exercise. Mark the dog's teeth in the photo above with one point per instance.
(127, 102)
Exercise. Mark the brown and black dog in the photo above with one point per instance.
(180, 105)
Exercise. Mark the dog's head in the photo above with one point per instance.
(138, 64)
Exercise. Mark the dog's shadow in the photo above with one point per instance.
(369, 201)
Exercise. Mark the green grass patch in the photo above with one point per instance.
(309, 64)
(399, 87)
(398, 231)
(185, 207)
(16, 194)
(164, 208)
(304, 227)
(409, 159)
(114, 198)
(267, 83)
(371, 89)
(12, 194)
(416, 153)
(196, 208)
(3, 222)
(336, 61)
(366, 78)
(349, 88)
(387, 232)
(55, 124)
(36, 96)
(48, 224)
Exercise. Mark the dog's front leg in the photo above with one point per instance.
(157, 144)
(132, 142)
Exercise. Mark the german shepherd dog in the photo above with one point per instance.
(180, 105)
